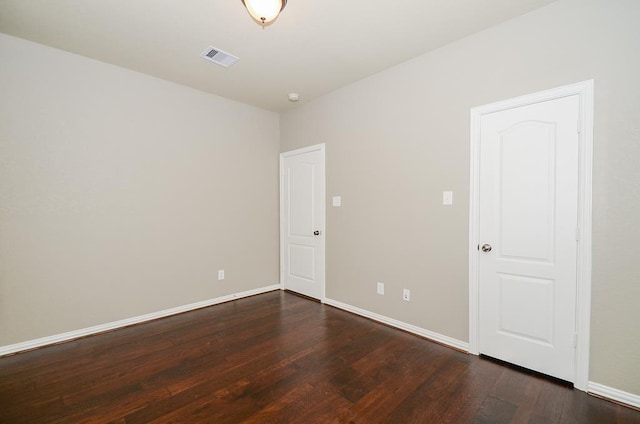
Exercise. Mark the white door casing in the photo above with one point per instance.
(302, 221)
(531, 201)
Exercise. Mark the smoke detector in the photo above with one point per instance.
(219, 57)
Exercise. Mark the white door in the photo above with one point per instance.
(302, 221)
(528, 235)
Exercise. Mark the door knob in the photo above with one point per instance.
(486, 247)
(316, 233)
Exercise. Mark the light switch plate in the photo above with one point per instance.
(337, 201)
(447, 198)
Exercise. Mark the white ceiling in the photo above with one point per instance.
(313, 48)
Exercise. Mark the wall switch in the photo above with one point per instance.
(337, 201)
(221, 274)
(447, 197)
(380, 288)
(406, 295)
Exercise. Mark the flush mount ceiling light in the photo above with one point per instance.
(264, 12)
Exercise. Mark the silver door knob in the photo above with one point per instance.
(316, 233)
(486, 247)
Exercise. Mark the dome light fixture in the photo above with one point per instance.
(264, 12)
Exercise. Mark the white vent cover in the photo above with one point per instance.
(219, 57)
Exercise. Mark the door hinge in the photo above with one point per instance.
(575, 339)
(578, 130)
(577, 233)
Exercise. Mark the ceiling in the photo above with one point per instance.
(313, 48)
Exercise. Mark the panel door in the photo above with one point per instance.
(302, 188)
(528, 227)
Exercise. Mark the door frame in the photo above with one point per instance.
(583, 293)
(316, 147)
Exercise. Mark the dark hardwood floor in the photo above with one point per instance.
(278, 358)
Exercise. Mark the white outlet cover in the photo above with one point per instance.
(380, 289)
(337, 201)
(447, 198)
(406, 294)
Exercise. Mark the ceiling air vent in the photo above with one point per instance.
(219, 57)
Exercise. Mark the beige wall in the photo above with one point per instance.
(397, 139)
(121, 194)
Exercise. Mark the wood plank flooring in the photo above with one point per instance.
(278, 358)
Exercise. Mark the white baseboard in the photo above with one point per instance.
(436, 337)
(58, 338)
(614, 394)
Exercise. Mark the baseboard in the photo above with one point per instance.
(63, 337)
(436, 337)
(615, 395)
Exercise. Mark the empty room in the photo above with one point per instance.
(286, 211)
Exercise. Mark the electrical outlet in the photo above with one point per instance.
(221, 274)
(406, 295)
(380, 288)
